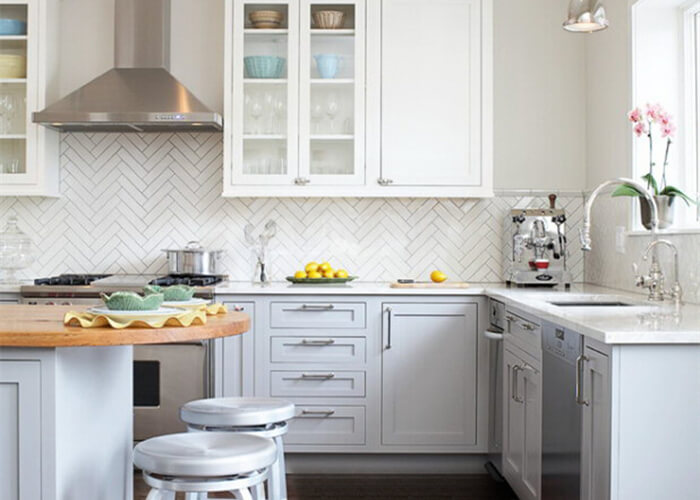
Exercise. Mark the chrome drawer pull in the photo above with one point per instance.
(580, 367)
(510, 318)
(528, 327)
(319, 413)
(319, 307)
(307, 342)
(317, 376)
(514, 389)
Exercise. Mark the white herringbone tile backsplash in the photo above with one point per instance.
(127, 196)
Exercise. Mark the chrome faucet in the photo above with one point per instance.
(654, 281)
(586, 230)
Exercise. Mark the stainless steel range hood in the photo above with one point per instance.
(139, 94)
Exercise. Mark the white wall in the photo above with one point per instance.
(539, 79)
(539, 97)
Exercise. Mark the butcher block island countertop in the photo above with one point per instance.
(42, 326)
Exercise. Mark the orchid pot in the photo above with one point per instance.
(666, 208)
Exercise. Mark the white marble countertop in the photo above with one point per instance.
(641, 322)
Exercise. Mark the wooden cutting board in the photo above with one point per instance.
(430, 284)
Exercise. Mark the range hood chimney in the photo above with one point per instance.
(139, 94)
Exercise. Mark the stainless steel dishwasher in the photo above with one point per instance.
(561, 413)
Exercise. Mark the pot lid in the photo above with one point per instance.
(192, 247)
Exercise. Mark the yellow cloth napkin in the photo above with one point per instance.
(90, 320)
(188, 317)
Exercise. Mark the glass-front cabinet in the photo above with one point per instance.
(296, 99)
(28, 152)
(369, 98)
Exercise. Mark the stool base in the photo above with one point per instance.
(243, 487)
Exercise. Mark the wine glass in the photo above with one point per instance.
(7, 111)
(269, 100)
(256, 111)
(278, 110)
(332, 109)
(316, 116)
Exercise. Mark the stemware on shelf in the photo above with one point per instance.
(8, 109)
(16, 251)
(332, 108)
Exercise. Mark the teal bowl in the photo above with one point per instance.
(264, 66)
(130, 301)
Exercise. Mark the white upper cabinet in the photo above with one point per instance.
(394, 99)
(430, 95)
(28, 152)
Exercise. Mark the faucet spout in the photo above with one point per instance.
(586, 230)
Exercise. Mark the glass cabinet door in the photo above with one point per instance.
(265, 88)
(15, 51)
(331, 92)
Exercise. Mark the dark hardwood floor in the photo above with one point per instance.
(384, 487)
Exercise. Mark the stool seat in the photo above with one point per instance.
(236, 412)
(206, 454)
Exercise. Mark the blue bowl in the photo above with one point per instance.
(12, 27)
(264, 66)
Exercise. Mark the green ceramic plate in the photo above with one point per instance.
(175, 293)
(320, 281)
(130, 301)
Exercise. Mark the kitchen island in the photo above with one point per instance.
(66, 404)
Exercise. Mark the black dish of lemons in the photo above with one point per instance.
(316, 273)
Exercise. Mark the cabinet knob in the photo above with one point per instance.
(301, 181)
(384, 182)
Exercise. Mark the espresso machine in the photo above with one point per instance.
(536, 247)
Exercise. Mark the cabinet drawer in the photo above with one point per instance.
(317, 350)
(317, 384)
(314, 314)
(524, 332)
(327, 425)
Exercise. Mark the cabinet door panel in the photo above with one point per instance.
(532, 468)
(513, 418)
(431, 92)
(429, 374)
(595, 439)
(237, 371)
(20, 430)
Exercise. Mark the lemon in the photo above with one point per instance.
(341, 273)
(438, 276)
(328, 273)
(325, 267)
(300, 274)
(314, 275)
(311, 267)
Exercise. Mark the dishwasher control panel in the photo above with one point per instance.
(561, 342)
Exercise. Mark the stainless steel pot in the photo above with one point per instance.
(193, 259)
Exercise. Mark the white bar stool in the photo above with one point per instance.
(199, 463)
(265, 417)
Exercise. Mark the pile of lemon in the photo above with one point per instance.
(314, 270)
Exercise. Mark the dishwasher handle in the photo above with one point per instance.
(493, 335)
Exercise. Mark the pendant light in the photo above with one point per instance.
(586, 16)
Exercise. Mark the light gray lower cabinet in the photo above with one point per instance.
(429, 374)
(595, 437)
(9, 298)
(328, 355)
(20, 430)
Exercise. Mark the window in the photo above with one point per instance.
(666, 70)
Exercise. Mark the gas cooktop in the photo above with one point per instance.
(91, 285)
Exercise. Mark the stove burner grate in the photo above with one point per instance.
(187, 279)
(70, 279)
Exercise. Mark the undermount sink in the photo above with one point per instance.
(591, 303)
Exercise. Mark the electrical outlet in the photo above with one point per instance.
(620, 239)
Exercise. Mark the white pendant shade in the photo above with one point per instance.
(586, 16)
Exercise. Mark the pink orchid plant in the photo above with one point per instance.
(644, 121)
